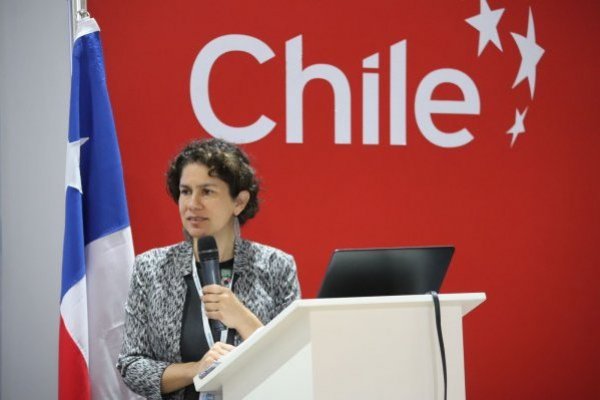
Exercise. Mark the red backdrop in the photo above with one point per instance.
(524, 218)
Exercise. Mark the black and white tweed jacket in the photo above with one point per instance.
(266, 282)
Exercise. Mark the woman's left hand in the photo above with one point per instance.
(223, 305)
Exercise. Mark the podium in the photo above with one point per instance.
(349, 348)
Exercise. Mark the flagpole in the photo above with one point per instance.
(78, 12)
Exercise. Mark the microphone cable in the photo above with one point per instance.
(438, 325)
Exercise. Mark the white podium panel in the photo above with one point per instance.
(352, 348)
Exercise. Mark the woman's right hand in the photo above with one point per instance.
(218, 350)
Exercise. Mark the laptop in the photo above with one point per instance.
(386, 271)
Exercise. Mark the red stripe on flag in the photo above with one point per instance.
(73, 376)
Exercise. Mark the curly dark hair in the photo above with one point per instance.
(225, 161)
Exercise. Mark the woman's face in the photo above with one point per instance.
(205, 205)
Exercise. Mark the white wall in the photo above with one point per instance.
(34, 95)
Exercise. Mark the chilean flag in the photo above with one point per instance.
(98, 249)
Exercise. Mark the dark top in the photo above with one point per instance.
(193, 342)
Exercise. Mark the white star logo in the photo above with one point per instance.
(486, 22)
(73, 174)
(531, 53)
(518, 127)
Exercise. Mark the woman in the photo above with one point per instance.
(165, 343)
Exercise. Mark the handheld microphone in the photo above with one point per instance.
(208, 253)
(209, 260)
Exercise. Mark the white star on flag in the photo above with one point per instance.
(518, 127)
(73, 175)
(486, 22)
(531, 53)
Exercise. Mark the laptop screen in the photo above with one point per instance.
(386, 272)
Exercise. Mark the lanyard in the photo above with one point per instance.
(207, 331)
